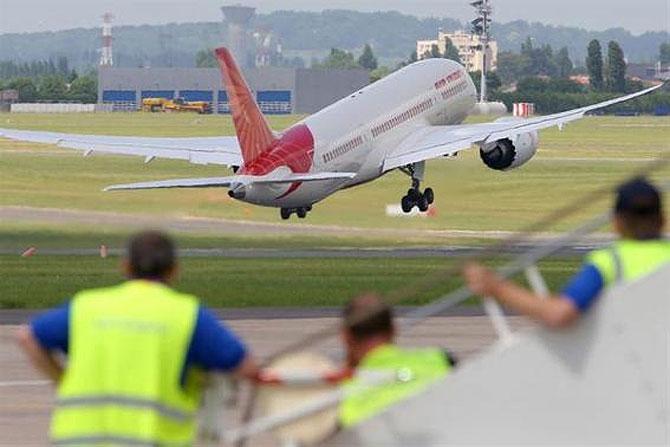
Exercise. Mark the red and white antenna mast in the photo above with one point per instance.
(106, 53)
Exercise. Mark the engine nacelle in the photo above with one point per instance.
(510, 153)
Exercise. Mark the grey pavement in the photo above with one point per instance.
(20, 316)
(26, 399)
(345, 252)
(219, 226)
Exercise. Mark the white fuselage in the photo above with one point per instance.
(356, 133)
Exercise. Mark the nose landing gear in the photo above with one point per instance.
(300, 211)
(414, 197)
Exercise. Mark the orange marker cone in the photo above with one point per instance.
(29, 252)
(432, 211)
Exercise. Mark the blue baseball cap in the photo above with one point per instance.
(638, 197)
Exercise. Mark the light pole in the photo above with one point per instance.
(481, 27)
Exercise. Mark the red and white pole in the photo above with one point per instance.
(106, 57)
(302, 378)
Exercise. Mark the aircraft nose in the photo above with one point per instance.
(237, 191)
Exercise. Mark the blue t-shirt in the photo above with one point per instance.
(584, 287)
(213, 346)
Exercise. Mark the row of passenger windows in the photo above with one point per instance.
(343, 149)
(454, 90)
(378, 130)
(401, 118)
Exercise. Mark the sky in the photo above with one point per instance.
(637, 16)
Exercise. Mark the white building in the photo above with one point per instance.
(469, 49)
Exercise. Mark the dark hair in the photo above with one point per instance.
(151, 255)
(640, 209)
(368, 316)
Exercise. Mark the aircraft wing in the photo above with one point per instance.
(209, 182)
(198, 150)
(436, 141)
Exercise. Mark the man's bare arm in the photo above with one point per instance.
(247, 369)
(554, 311)
(45, 362)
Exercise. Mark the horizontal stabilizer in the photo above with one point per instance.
(210, 182)
(176, 183)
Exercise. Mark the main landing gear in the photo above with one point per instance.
(414, 197)
(300, 211)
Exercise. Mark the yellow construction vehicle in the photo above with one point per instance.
(175, 105)
(153, 104)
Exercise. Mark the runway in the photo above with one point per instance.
(365, 253)
(223, 227)
(26, 399)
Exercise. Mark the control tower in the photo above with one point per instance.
(238, 18)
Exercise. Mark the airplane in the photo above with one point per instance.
(399, 122)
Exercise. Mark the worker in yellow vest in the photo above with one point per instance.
(641, 250)
(136, 355)
(368, 334)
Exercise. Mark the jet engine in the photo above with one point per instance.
(510, 153)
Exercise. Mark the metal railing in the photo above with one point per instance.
(524, 263)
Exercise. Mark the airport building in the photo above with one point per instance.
(469, 48)
(278, 90)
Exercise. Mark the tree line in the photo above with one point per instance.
(556, 95)
(46, 80)
(536, 74)
(34, 69)
(302, 33)
(342, 59)
(540, 74)
(554, 92)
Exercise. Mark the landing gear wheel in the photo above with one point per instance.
(415, 197)
(429, 195)
(301, 212)
(423, 204)
(285, 213)
(407, 204)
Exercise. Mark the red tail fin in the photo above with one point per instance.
(253, 131)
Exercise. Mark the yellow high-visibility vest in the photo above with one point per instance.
(627, 260)
(122, 385)
(416, 370)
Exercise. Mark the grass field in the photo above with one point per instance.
(44, 281)
(585, 156)
(17, 236)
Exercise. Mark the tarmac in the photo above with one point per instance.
(321, 253)
(223, 227)
(26, 399)
(20, 316)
